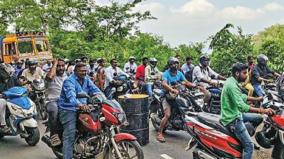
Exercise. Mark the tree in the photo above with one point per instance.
(229, 48)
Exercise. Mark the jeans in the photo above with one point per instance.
(68, 120)
(149, 89)
(241, 132)
(258, 90)
(109, 92)
(53, 122)
(2, 111)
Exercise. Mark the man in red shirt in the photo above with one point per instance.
(140, 71)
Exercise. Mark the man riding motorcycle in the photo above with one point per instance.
(261, 73)
(234, 109)
(68, 104)
(33, 71)
(130, 66)
(111, 72)
(151, 73)
(172, 75)
(203, 75)
(54, 80)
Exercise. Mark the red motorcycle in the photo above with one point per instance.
(98, 134)
(211, 140)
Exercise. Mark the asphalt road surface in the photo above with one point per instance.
(174, 148)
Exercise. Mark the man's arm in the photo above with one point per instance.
(51, 74)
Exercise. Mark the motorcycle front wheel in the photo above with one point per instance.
(128, 150)
(278, 150)
(34, 136)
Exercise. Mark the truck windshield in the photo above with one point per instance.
(25, 45)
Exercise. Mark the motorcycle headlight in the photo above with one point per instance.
(121, 117)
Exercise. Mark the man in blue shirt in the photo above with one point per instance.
(171, 76)
(68, 104)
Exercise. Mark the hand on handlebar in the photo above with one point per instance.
(214, 84)
(267, 111)
(175, 91)
(84, 107)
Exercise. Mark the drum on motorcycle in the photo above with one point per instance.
(136, 109)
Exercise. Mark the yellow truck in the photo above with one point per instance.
(24, 45)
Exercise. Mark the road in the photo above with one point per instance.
(16, 148)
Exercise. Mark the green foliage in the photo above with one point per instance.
(271, 43)
(229, 48)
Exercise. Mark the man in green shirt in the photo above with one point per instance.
(234, 109)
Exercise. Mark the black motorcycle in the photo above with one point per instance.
(181, 104)
(38, 96)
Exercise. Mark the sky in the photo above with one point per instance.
(185, 21)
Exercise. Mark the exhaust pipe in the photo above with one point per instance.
(46, 140)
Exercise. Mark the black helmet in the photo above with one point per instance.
(172, 60)
(32, 62)
(203, 58)
(262, 59)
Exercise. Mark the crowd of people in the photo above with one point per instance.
(64, 79)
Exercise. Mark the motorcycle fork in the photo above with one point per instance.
(112, 132)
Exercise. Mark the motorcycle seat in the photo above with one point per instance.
(213, 120)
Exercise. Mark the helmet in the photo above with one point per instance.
(132, 58)
(32, 62)
(262, 59)
(203, 58)
(172, 60)
(100, 60)
(153, 61)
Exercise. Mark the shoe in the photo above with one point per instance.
(5, 129)
(161, 138)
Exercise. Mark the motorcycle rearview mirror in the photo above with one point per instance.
(82, 95)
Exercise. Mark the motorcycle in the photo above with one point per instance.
(214, 105)
(122, 85)
(38, 96)
(98, 134)
(205, 129)
(183, 103)
(20, 114)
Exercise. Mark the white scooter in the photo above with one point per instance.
(20, 114)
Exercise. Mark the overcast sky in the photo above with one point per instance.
(184, 21)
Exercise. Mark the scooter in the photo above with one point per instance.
(205, 129)
(20, 115)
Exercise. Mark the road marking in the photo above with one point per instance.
(165, 156)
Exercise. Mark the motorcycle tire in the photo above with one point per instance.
(1, 136)
(42, 114)
(132, 144)
(34, 136)
(278, 150)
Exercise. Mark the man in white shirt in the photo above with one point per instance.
(130, 66)
(111, 72)
(33, 72)
(203, 74)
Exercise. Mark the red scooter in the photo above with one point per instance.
(211, 140)
(98, 134)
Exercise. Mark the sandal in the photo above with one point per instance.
(160, 137)
(55, 140)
